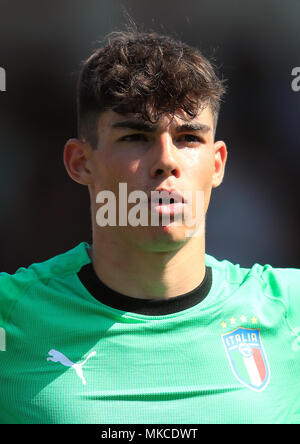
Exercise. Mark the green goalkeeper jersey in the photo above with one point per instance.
(75, 351)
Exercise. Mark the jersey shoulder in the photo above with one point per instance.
(282, 284)
(232, 273)
(15, 286)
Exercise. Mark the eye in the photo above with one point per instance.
(191, 138)
(134, 138)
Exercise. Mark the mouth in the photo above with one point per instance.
(171, 209)
(163, 201)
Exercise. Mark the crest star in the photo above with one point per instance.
(232, 320)
(243, 318)
(224, 324)
(254, 320)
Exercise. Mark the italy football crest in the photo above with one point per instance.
(247, 357)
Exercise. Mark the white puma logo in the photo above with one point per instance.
(57, 356)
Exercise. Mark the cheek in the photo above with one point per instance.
(121, 163)
(115, 171)
(199, 167)
(126, 171)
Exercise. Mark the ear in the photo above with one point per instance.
(76, 154)
(220, 162)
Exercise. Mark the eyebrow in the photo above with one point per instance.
(150, 127)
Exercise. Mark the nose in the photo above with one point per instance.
(164, 157)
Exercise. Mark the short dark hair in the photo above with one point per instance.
(146, 74)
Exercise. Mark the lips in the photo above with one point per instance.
(163, 196)
(163, 201)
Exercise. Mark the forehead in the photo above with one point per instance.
(111, 121)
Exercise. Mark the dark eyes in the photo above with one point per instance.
(134, 137)
(190, 138)
(138, 137)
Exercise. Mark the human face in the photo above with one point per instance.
(172, 154)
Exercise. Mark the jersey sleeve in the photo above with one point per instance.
(13, 287)
(284, 284)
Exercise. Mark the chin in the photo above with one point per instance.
(161, 238)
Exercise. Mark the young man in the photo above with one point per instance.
(142, 326)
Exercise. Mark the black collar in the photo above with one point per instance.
(150, 307)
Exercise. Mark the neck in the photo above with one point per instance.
(148, 274)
